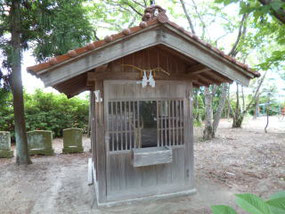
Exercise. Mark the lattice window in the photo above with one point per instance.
(170, 122)
(137, 124)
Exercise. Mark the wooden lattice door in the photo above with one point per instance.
(148, 123)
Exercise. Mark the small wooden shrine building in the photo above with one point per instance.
(142, 78)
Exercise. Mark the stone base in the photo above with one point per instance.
(6, 154)
(72, 149)
(41, 152)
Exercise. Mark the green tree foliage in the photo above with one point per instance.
(255, 205)
(6, 111)
(49, 27)
(268, 32)
(65, 27)
(47, 111)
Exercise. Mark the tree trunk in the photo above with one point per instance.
(267, 120)
(196, 113)
(220, 108)
(243, 99)
(208, 130)
(17, 87)
(237, 110)
(237, 121)
(229, 103)
(238, 115)
(256, 111)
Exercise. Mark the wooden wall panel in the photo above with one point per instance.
(127, 90)
(147, 59)
(125, 181)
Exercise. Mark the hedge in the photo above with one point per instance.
(47, 111)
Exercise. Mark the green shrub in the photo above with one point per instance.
(255, 205)
(47, 111)
(6, 111)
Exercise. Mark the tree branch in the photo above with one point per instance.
(95, 35)
(136, 2)
(230, 107)
(123, 9)
(132, 22)
(187, 16)
(218, 114)
(241, 33)
(280, 14)
(133, 8)
(243, 98)
(200, 18)
(255, 94)
(220, 37)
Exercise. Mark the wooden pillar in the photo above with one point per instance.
(92, 124)
(100, 144)
(191, 136)
(188, 135)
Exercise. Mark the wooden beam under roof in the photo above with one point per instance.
(196, 85)
(199, 83)
(209, 78)
(75, 92)
(204, 80)
(93, 76)
(175, 53)
(197, 69)
(214, 75)
(73, 86)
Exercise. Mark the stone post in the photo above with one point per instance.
(72, 140)
(40, 142)
(5, 145)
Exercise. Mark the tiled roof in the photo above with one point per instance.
(149, 20)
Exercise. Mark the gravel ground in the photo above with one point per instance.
(246, 159)
(238, 160)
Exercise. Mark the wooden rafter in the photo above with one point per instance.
(217, 77)
(204, 80)
(176, 54)
(210, 78)
(197, 69)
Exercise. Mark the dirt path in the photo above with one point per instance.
(59, 185)
(239, 160)
(247, 159)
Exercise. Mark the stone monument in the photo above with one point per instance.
(72, 140)
(40, 142)
(5, 145)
